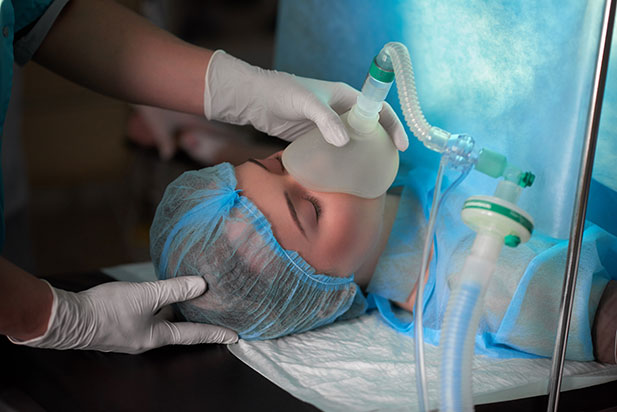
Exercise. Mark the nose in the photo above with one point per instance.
(291, 183)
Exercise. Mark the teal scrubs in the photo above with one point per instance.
(15, 16)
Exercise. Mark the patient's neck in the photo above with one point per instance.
(363, 275)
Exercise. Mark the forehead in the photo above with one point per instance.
(346, 231)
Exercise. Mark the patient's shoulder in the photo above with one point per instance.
(604, 331)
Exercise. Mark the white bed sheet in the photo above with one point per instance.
(363, 365)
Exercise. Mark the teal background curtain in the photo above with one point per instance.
(516, 76)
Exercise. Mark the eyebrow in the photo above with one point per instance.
(258, 164)
(294, 215)
(290, 205)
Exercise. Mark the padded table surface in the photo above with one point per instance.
(178, 378)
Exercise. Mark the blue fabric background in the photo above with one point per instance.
(516, 76)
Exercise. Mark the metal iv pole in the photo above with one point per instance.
(580, 205)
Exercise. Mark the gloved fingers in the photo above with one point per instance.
(339, 96)
(327, 120)
(165, 313)
(188, 333)
(289, 130)
(178, 290)
(392, 124)
(343, 97)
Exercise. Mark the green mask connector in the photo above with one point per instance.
(526, 179)
(382, 74)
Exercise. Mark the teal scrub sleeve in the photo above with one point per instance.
(26, 44)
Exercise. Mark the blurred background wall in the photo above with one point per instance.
(92, 184)
(88, 193)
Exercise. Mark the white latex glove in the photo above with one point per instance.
(282, 104)
(120, 317)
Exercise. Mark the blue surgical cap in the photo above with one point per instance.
(204, 226)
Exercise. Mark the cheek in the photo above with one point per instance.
(349, 236)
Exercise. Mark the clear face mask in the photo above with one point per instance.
(367, 165)
(364, 167)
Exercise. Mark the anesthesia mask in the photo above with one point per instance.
(367, 165)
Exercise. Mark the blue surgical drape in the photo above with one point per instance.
(516, 76)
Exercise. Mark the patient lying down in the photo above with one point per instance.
(280, 259)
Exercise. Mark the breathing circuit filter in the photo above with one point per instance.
(497, 220)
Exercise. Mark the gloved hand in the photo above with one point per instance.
(120, 317)
(282, 104)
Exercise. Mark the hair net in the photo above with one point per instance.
(203, 226)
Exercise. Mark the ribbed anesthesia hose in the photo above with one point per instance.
(397, 55)
(407, 94)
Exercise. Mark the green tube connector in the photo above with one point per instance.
(496, 165)
(526, 179)
(380, 73)
(491, 163)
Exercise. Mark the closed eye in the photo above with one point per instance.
(314, 201)
(258, 163)
(316, 205)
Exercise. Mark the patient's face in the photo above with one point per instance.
(333, 232)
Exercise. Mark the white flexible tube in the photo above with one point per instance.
(438, 199)
(461, 323)
(433, 137)
(462, 317)
(396, 55)
(421, 383)
(408, 96)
